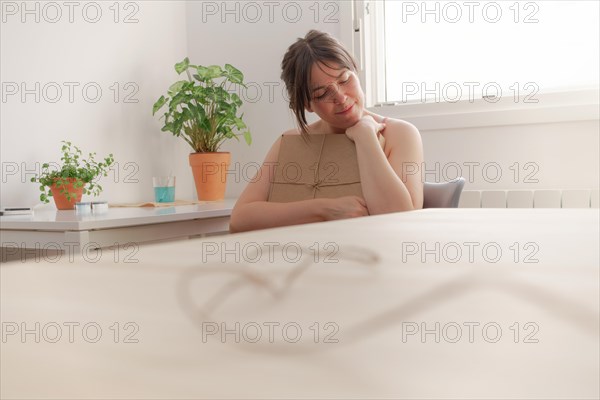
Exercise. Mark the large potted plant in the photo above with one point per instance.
(203, 112)
(73, 178)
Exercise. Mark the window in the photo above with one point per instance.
(451, 51)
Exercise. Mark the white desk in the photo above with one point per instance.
(370, 298)
(72, 232)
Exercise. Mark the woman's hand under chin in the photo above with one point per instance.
(366, 126)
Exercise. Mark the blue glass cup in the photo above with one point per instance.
(164, 189)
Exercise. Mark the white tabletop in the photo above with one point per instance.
(50, 219)
(533, 309)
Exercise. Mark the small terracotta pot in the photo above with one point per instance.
(210, 174)
(60, 199)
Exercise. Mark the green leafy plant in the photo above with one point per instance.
(82, 172)
(201, 110)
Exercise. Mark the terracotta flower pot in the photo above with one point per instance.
(210, 174)
(60, 199)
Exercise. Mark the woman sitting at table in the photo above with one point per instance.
(320, 77)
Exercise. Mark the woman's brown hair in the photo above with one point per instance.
(296, 67)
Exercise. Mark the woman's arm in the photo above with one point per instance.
(263, 214)
(385, 183)
(253, 211)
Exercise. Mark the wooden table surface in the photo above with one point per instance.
(437, 303)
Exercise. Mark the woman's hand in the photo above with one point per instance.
(345, 207)
(365, 126)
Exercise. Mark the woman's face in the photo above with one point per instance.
(336, 96)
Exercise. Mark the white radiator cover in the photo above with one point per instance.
(568, 198)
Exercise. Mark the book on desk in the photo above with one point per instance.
(16, 211)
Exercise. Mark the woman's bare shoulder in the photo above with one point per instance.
(400, 125)
(401, 135)
(315, 127)
(398, 131)
(291, 132)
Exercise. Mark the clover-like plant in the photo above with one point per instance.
(81, 172)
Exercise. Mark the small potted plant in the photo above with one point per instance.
(75, 177)
(203, 112)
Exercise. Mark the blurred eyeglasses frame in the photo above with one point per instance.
(327, 93)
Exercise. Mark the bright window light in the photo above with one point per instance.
(447, 51)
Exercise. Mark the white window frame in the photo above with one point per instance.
(360, 32)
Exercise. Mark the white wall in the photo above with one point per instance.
(561, 155)
(83, 52)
